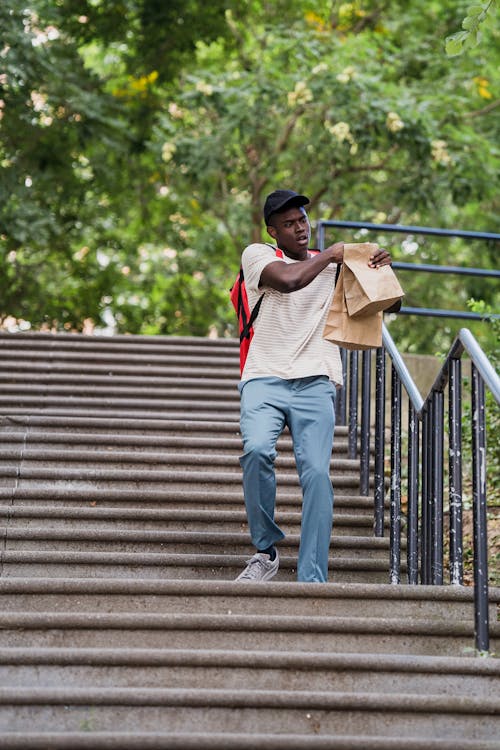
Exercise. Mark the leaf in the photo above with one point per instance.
(475, 10)
(454, 44)
(470, 22)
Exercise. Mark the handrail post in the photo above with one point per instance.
(455, 472)
(379, 489)
(425, 574)
(353, 405)
(413, 456)
(437, 488)
(479, 512)
(364, 479)
(395, 530)
(340, 402)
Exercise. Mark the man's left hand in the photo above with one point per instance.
(380, 258)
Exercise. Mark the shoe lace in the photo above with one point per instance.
(254, 567)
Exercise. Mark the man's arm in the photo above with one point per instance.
(288, 277)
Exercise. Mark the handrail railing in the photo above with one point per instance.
(422, 267)
(425, 443)
(425, 464)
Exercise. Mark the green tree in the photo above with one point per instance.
(139, 139)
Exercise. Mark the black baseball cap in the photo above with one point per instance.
(279, 200)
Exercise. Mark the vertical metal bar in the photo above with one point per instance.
(455, 471)
(479, 513)
(353, 405)
(364, 477)
(379, 491)
(426, 471)
(320, 235)
(340, 403)
(395, 531)
(413, 455)
(437, 488)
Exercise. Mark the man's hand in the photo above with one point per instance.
(336, 252)
(380, 258)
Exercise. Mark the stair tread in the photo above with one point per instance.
(230, 741)
(100, 432)
(255, 659)
(329, 700)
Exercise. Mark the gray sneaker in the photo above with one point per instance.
(260, 568)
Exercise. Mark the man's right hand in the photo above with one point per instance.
(336, 252)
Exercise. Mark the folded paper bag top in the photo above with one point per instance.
(367, 290)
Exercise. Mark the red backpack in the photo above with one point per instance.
(246, 319)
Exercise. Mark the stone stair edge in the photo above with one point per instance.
(13, 494)
(277, 699)
(97, 518)
(153, 476)
(140, 417)
(157, 514)
(93, 533)
(136, 422)
(16, 437)
(158, 560)
(27, 453)
(277, 589)
(227, 741)
(313, 660)
(60, 382)
(64, 338)
(14, 368)
(330, 624)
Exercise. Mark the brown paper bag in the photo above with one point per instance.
(351, 333)
(367, 290)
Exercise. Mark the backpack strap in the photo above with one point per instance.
(247, 324)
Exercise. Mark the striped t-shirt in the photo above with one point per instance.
(288, 341)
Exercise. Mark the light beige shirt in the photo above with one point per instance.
(288, 341)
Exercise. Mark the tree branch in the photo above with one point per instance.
(485, 110)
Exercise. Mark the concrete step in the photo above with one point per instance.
(432, 637)
(112, 402)
(111, 540)
(175, 565)
(152, 427)
(110, 595)
(14, 444)
(137, 740)
(57, 344)
(131, 381)
(143, 460)
(304, 712)
(266, 670)
(25, 477)
(129, 411)
(15, 368)
(123, 530)
(87, 495)
(173, 519)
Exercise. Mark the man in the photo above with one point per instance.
(290, 379)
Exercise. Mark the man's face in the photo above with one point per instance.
(291, 230)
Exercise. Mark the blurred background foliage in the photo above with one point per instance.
(139, 138)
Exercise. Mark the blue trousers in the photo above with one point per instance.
(307, 407)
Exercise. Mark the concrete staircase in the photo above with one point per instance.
(123, 528)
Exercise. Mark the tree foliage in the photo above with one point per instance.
(139, 139)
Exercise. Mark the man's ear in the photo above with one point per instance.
(272, 232)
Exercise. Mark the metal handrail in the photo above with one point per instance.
(434, 231)
(422, 267)
(429, 412)
(425, 457)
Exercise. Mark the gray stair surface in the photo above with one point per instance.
(123, 528)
